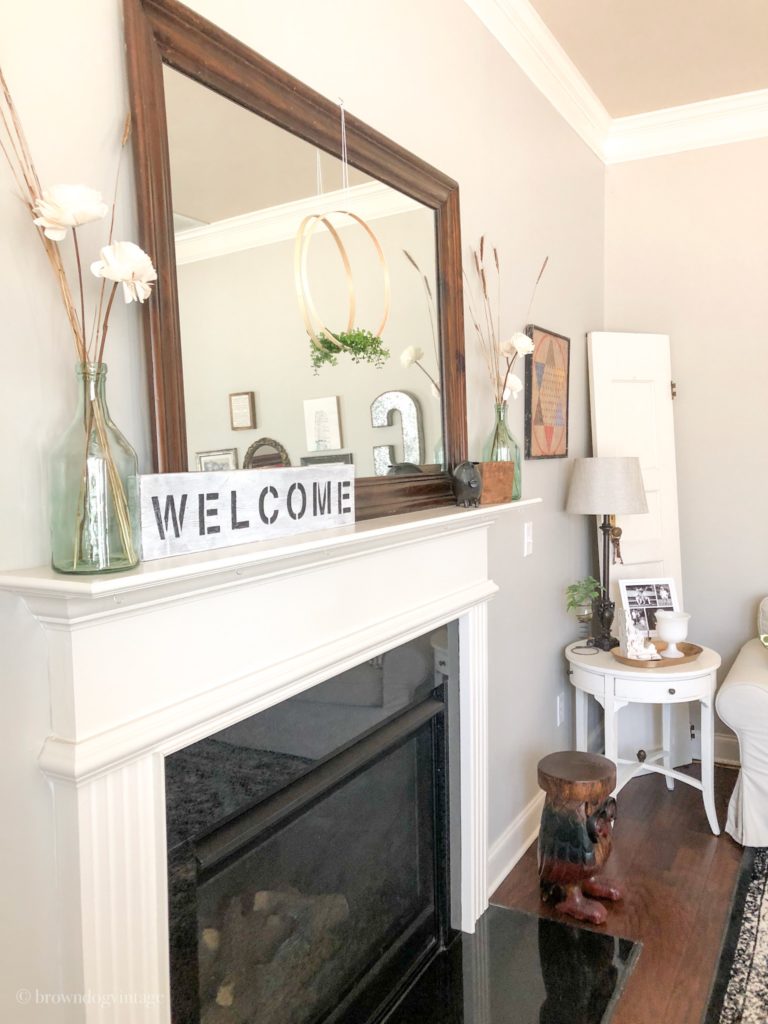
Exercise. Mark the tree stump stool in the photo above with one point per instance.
(575, 834)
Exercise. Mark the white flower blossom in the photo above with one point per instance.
(513, 388)
(412, 354)
(522, 344)
(67, 206)
(127, 264)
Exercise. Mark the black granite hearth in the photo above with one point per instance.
(522, 969)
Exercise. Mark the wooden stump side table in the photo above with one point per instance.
(575, 835)
(614, 686)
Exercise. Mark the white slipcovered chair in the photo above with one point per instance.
(742, 703)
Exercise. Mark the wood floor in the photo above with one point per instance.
(678, 880)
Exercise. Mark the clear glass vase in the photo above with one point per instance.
(502, 447)
(93, 475)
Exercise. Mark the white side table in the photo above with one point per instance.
(614, 685)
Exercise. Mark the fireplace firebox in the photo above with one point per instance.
(309, 850)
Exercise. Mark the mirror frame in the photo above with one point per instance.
(159, 32)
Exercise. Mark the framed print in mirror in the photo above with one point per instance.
(216, 461)
(641, 599)
(242, 410)
(546, 395)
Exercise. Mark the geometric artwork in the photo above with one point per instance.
(546, 395)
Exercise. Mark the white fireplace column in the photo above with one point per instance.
(144, 663)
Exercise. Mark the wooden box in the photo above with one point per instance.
(498, 479)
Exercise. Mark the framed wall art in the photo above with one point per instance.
(641, 599)
(322, 424)
(242, 410)
(546, 395)
(212, 462)
(345, 458)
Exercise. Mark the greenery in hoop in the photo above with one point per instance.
(361, 345)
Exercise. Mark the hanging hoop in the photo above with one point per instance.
(303, 292)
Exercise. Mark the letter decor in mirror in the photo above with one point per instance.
(222, 224)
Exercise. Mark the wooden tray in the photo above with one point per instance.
(690, 653)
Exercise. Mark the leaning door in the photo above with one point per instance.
(630, 381)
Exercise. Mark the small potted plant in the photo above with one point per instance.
(579, 597)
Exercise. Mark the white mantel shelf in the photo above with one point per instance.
(236, 564)
(136, 665)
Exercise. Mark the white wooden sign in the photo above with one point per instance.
(185, 512)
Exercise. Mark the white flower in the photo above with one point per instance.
(522, 343)
(66, 206)
(126, 263)
(513, 388)
(411, 355)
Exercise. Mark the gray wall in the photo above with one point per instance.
(686, 255)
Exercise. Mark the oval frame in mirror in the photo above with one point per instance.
(253, 460)
(166, 32)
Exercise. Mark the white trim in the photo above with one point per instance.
(473, 699)
(727, 749)
(507, 850)
(693, 126)
(280, 223)
(521, 31)
(525, 37)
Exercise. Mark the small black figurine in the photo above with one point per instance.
(467, 484)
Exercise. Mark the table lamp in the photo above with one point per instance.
(606, 486)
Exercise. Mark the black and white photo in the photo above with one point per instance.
(643, 598)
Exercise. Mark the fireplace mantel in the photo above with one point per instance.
(143, 663)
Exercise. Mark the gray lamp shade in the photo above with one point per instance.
(607, 486)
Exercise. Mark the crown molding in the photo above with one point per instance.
(526, 38)
(693, 126)
(280, 223)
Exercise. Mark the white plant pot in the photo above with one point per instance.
(672, 627)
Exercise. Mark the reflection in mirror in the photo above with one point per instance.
(266, 454)
(242, 188)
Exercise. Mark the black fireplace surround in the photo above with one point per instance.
(308, 852)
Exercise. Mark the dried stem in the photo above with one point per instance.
(487, 326)
(430, 309)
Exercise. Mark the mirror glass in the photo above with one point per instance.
(242, 189)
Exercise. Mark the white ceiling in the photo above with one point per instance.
(225, 161)
(643, 55)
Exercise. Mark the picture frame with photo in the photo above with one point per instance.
(641, 599)
(217, 461)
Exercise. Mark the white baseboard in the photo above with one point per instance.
(727, 749)
(513, 842)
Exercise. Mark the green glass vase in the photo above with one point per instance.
(502, 447)
(93, 477)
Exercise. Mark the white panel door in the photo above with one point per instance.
(631, 399)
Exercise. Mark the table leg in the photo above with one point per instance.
(609, 722)
(708, 762)
(582, 705)
(666, 740)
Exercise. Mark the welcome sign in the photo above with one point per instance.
(186, 512)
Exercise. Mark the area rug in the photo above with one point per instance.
(740, 990)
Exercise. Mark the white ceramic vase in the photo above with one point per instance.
(672, 627)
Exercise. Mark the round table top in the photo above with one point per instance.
(594, 660)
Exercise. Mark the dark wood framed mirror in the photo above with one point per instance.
(162, 34)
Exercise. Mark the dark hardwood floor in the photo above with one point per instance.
(678, 880)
